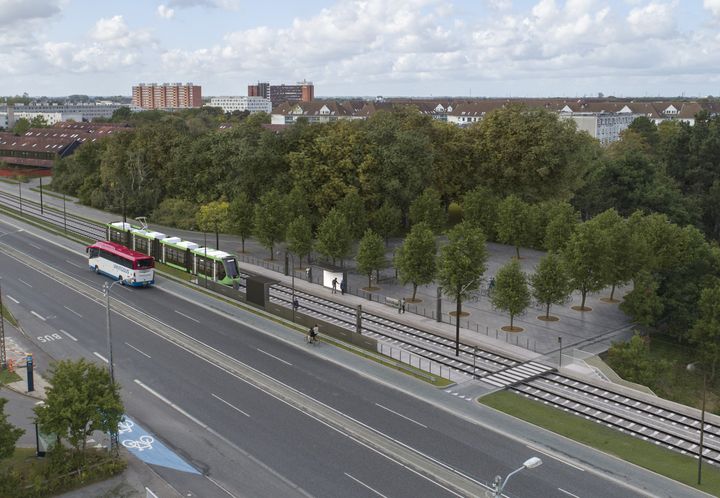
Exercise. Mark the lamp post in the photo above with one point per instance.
(499, 484)
(560, 359)
(20, 192)
(292, 279)
(64, 214)
(691, 368)
(107, 286)
(41, 197)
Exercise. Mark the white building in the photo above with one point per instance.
(252, 104)
(605, 126)
(55, 113)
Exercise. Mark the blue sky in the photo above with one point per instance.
(425, 48)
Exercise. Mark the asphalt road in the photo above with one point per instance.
(248, 441)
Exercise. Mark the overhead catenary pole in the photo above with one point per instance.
(41, 197)
(3, 354)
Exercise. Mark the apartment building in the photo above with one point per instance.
(240, 103)
(166, 96)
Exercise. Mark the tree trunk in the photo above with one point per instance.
(369, 280)
(612, 292)
(584, 293)
(243, 243)
(512, 316)
(457, 322)
(517, 251)
(217, 239)
(272, 252)
(414, 290)
(547, 311)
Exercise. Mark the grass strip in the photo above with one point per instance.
(6, 377)
(8, 316)
(653, 457)
(48, 227)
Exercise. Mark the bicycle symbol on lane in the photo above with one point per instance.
(140, 444)
(125, 426)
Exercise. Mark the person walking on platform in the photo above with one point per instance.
(334, 285)
(342, 287)
(402, 305)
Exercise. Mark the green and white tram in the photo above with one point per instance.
(216, 265)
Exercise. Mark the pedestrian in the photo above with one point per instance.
(402, 304)
(296, 304)
(308, 272)
(334, 285)
(342, 287)
(315, 333)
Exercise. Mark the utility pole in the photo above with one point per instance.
(3, 354)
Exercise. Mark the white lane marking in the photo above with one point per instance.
(100, 356)
(188, 317)
(24, 282)
(401, 415)
(12, 299)
(136, 349)
(35, 246)
(37, 315)
(273, 356)
(568, 492)
(229, 404)
(74, 264)
(170, 403)
(365, 485)
(219, 486)
(555, 457)
(73, 311)
(71, 337)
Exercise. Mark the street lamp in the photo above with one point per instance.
(560, 359)
(292, 279)
(691, 368)
(107, 286)
(499, 484)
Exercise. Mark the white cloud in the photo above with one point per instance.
(713, 6)
(219, 4)
(112, 28)
(654, 19)
(12, 11)
(165, 12)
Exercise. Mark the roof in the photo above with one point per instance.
(120, 249)
(38, 143)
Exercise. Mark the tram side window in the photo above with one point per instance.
(205, 266)
(141, 244)
(173, 255)
(117, 236)
(220, 271)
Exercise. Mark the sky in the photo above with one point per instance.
(421, 48)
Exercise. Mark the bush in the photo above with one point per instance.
(455, 214)
(177, 213)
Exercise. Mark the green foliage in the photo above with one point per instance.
(9, 434)
(270, 220)
(454, 213)
(333, 236)
(371, 254)
(550, 282)
(352, 207)
(531, 153)
(214, 216)
(21, 127)
(38, 121)
(633, 362)
(480, 208)
(176, 213)
(705, 333)
(562, 221)
(415, 259)
(385, 221)
(121, 115)
(513, 222)
(299, 237)
(81, 399)
(511, 291)
(462, 261)
(587, 257)
(620, 263)
(241, 217)
(643, 303)
(428, 209)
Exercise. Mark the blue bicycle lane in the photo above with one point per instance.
(148, 449)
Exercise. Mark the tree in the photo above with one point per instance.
(386, 220)
(512, 222)
(299, 237)
(632, 361)
(562, 221)
(175, 212)
(480, 208)
(81, 399)
(428, 209)
(550, 282)
(586, 257)
(333, 236)
(371, 254)
(21, 127)
(705, 333)
(353, 208)
(643, 303)
(270, 219)
(38, 121)
(461, 265)
(214, 216)
(9, 434)
(511, 291)
(620, 261)
(415, 259)
(241, 216)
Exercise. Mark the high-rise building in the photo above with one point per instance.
(166, 96)
(303, 91)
